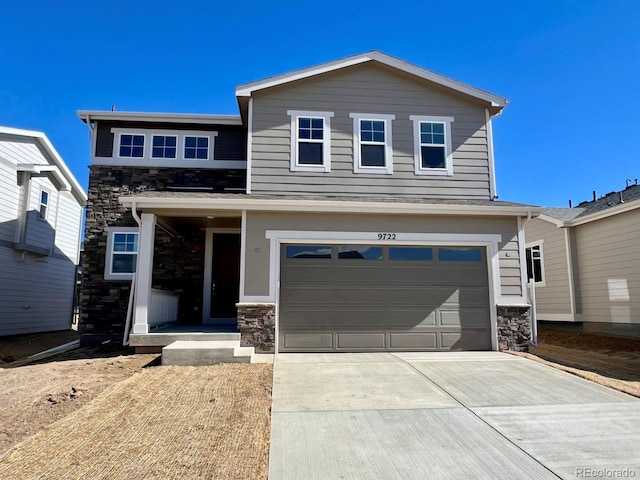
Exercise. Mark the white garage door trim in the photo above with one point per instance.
(490, 241)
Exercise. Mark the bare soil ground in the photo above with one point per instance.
(609, 361)
(16, 347)
(36, 395)
(161, 423)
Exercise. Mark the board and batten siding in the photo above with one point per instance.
(374, 90)
(257, 245)
(554, 297)
(609, 265)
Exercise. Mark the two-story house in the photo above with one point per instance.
(349, 207)
(41, 206)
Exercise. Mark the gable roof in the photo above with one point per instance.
(610, 204)
(497, 102)
(65, 177)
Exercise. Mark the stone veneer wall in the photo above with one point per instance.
(257, 325)
(514, 328)
(178, 261)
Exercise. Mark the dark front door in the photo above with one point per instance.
(225, 277)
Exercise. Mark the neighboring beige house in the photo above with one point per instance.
(41, 207)
(348, 207)
(585, 261)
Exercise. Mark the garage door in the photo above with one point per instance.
(383, 298)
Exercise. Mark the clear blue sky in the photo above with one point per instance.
(571, 70)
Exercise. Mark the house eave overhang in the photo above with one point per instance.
(496, 102)
(200, 204)
(88, 116)
(60, 173)
(620, 208)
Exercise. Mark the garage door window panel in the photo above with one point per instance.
(356, 252)
(411, 253)
(308, 251)
(460, 254)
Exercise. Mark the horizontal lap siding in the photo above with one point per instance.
(554, 296)
(257, 246)
(37, 293)
(609, 268)
(9, 201)
(376, 91)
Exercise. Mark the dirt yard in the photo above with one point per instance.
(16, 347)
(34, 396)
(613, 362)
(161, 423)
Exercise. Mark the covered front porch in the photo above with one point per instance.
(187, 279)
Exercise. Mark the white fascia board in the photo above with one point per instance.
(90, 115)
(75, 188)
(247, 90)
(276, 205)
(620, 208)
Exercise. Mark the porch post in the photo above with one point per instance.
(144, 271)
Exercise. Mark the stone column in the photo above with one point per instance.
(514, 328)
(256, 322)
(144, 270)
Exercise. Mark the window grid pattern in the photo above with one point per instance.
(44, 204)
(196, 148)
(125, 253)
(164, 146)
(132, 146)
(432, 145)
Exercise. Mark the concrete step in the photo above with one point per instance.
(198, 353)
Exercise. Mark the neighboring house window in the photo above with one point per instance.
(122, 253)
(432, 145)
(310, 141)
(131, 145)
(535, 268)
(164, 146)
(44, 204)
(372, 145)
(196, 148)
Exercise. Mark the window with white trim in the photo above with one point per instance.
(310, 141)
(196, 147)
(164, 146)
(131, 145)
(372, 144)
(43, 210)
(122, 253)
(432, 145)
(535, 266)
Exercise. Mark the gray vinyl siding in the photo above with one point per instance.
(229, 144)
(554, 296)
(609, 265)
(37, 292)
(257, 246)
(40, 232)
(9, 200)
(68, 226)
(371, 90)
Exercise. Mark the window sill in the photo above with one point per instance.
(434, 172)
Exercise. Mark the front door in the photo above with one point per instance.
(225, 275)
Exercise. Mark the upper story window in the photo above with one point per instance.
(372, 145)
(535, 267)
(310, 141)
(164, 146)
(44, 204)
(432, 145)
(122, 253)
(131, 145)
(196, 147)
(161, 147)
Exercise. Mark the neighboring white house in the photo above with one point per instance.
(41, 205)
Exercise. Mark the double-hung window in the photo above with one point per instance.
(164, 146)
(131, 145)
(432, 145)
(122, 253)
(310, 141)
(372, 144)
(535, 266)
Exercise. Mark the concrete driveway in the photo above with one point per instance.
(445, 415)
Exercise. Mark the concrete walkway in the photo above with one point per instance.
(444, 415)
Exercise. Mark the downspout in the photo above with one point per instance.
(531, 294)
(127, 324)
